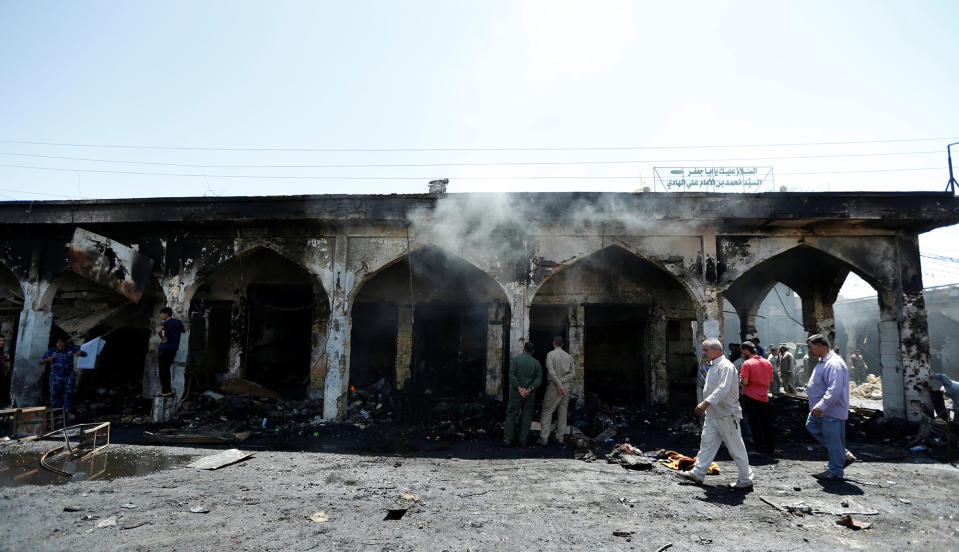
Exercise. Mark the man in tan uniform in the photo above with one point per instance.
(559, 373)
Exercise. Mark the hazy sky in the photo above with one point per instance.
(871, 86)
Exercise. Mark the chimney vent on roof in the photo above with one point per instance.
(439, 186)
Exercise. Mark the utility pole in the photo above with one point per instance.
(951, 185)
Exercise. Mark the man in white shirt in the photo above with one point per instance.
(723, 414)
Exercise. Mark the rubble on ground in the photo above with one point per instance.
(871, 389)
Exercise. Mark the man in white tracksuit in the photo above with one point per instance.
(559, 375)
(723, 413)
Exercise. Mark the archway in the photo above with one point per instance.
(253, 317)
(430, 324)
(817, 277)
(627, 322)
(83, 310)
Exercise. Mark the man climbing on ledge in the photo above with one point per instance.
(169, 331)
(723, 413)
(525, 375)
(60, 359)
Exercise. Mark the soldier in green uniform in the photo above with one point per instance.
(525, 375)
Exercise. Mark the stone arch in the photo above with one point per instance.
(443, 338)
(259, 315)
(864, 256)
(817, 276)
(368, 276)
(616, 307)
(675, 268)
(245, 251)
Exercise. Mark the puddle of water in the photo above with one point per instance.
(23, 468)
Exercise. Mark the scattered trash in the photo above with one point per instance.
(108, 522)
(133, 524)
(199, 510)
(847, 521)
(799, 508)
(607, 433)
(213, 395)
(246, 387)
(72, 509)
(918, 448)
(168, 437)
(623, 533)
(773, 504)
(128, 506)
(905, 501)
(219, 460)
(319, 517)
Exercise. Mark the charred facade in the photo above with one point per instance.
(431, 294)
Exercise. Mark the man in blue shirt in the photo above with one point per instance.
(828, 393)
(169, 331)
(60, 359)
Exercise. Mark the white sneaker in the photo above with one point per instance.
(687, 478)
(742, 485)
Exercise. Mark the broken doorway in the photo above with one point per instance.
(256, 316)
(612, 306)
(615, 349)
(424, 326)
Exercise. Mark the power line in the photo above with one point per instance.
(540, 177)
(785, 310)
(939, 257)
(552, 148)
(475, 164)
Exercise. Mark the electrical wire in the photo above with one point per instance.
(552, 148)
(475, 164)
(314, 177)
(785, 310)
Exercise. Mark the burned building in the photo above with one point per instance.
(431, 294)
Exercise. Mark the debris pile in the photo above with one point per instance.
(872, 389)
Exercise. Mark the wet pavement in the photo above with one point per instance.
(23, 467)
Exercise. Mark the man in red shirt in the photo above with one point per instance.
(755, 377)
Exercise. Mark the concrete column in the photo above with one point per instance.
(658, 392)
(337, 380)
(519, 317)
(817, 316)
(893, 393)
(913, 330)
(33, 339)
(495, 318)
(577, 317)
(318, 348)
(234, 366)
(747, 328)
(404, 345)
(151, 366)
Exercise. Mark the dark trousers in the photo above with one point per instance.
(520, 409)
(165, 359)
(761, 419)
